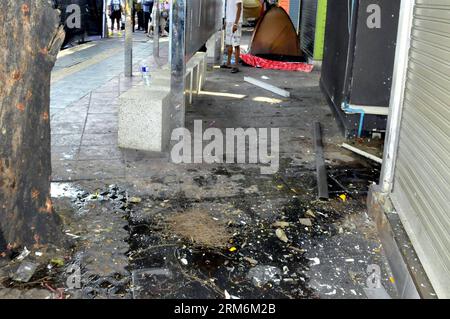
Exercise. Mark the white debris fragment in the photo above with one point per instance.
(267, 86)
(228, 296)
(25, 252)
(184, 261)
(331, 293)
(349, 260)
(315, 260)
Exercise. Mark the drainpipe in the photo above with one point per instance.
(348, 108)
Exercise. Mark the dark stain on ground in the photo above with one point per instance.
(214, 271)
(164, 265)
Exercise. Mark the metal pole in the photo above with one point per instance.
(157, 14)
(128, 38)
(105, 20)
(177, 54)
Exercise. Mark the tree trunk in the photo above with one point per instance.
(29, 43)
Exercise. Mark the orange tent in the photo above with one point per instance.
(275, 35)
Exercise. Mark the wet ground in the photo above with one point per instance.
(162, 230)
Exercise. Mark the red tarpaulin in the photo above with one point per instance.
(276, 65)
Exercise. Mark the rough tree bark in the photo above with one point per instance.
(29, 43)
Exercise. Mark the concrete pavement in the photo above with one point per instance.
(122, 205)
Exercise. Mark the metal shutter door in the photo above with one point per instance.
(308, 26)
(421, 191)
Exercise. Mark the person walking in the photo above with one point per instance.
(140, 14)
(147, 7)
(115, 13)
(164, 17)
(233, 33)
(136, 9)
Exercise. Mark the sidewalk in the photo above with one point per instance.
(143, 227)
(84, 109)
(80, 70)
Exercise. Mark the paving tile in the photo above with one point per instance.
(87, 170)
(65, 153)
(66, 139)
(67, 128)
(99, 139)
(101, 124)
(106, 152)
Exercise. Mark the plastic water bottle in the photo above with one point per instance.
(145, 70)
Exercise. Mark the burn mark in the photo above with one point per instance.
(16, 75)
(25, 9)
(29, 95)
(48, 208)
(45, 116)
(20, 107)
(34, 193)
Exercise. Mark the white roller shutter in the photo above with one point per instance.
(421, 192)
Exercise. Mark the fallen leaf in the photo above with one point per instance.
(280, 224)
(251, 261)
(305, 222)
(59, 262)
(135, 200)
(310, 213)
(281, 235)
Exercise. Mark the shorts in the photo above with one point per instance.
(233, 39)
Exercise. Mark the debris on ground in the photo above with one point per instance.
(200, 228)
(25, 272)
(305, 222)
(267, 86)
(25, 252)
(281, 235)
(363, 153)
(264, 274)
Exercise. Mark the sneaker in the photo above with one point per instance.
(234, 70)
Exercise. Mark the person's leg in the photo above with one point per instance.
(229, 45)
(237, 48)
(112, 21)
(139, 17)
(146, 21)
(162, 25)
(229, 55)
(119, 21)
(237, 55)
